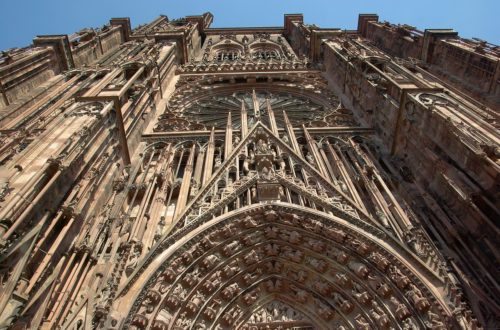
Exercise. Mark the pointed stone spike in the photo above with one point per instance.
(272, 118)
(313, 149)
(209, 157)
(244, 120)
(256, 105)
(186, 183)
(291, 134)
(229, 136)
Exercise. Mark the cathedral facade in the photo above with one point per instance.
(178, 176)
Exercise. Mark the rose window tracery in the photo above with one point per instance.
(212, 112)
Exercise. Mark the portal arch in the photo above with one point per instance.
(343, 273)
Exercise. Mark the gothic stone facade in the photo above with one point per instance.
(177, 176)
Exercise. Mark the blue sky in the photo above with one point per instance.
(21, 20)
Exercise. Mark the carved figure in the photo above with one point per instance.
(250, 298)
(102, 298)
(379, 260)
(361, 323)
(409, 324)
(434, 322)
(336, 234)
(274, 267)
(402, 281)
(415, 296)
(250, 278)
(230, 270)
(317, 245)
(299, 276)
(361, 295)
(273, 285)
(318, 264)
(343, 280)
(383, 289)
(230, 248)
(380, 317)
(344, 304)
(402, 312)
(300, 295)
(271, 249)
(209, 261)
(134, 258)
(359, 269)
(326, 312)
(214, 282)
(262, 147)
(360, 247)
(249, 222)
(190, 279)
(230, 291)
(322, 287)
(251, 258)
(271, 232)
(210, 312)
(289, 253)
(195, 303)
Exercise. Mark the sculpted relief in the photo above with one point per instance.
(188, 177)
(289, 277)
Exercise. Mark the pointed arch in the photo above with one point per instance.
(353, 272)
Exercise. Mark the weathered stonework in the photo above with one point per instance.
(177, 176)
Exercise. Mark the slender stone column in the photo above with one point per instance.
(186, 183)
(143, 219)
(70, 283)
(331, 172)
(30, 207)
(61, 283)
(313, 148)
(198, 170)
(73, 297)
(244, 121)
(339, 165)
(291, 134)
(229, 137)
(158, 200)
(21, 195)
(272, 118)
(47, 232)
(40, 313)
(50, 253)
(209, 159)
(256, 105)
(9, 288)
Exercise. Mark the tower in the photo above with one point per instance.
(177, 176)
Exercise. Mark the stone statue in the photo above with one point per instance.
(402, 312)
(262, 147)
(134, 258)
(361, 323)
(102, 298)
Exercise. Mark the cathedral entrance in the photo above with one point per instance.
(279, 266)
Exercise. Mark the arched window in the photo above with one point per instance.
(265, 54)
(227, 55)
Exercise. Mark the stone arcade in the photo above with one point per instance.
(177, 176)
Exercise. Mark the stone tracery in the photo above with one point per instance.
(177, 176)
(205, 113)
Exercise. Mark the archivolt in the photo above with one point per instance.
(334, 273)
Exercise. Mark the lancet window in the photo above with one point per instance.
(227, 55)
(264, 54)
